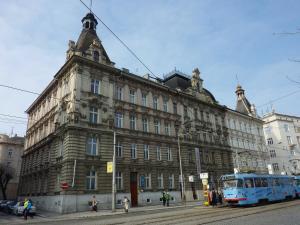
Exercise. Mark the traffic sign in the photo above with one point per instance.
(109, 167)
(64, 185)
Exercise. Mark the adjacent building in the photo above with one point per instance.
(159, 123)
(246, 136)
(282, 133)
(11, 150)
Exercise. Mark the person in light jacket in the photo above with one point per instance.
(126, 204)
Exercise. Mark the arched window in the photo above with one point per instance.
(87, 24)
(96, 56)
(92, 25)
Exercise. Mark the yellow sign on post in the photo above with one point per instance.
(109, 167)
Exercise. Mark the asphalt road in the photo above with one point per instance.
(283, 213)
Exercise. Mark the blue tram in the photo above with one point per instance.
(297, 186)
(248, 189)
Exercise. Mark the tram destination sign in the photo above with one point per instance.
(203, 175)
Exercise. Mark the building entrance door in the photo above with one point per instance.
(133, 189)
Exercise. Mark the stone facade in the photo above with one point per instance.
(11, 150)
(282, 133)
(70, 133)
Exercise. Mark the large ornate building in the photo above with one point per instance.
(246, 136)
(11, 150)
(70, 130)
(282, 133)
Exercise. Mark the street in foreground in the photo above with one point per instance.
(280, 213)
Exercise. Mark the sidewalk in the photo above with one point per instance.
(106, 212)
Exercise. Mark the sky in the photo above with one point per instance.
(226, 40)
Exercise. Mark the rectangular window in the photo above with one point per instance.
(273, 153)
(133, 151)
(190, 156)
(144, 100)
(93, 115)
(165, 105)
(119, 149)
(195, 114)
(158, 153)
(249, 183)
(160, 181)
(286, 128)
(119, 180)
(91, 180)
(270, 141)
(185, 110)
(156, 126)
(275, 167)
(119, 93)
(10, 154)
(61, 147)
(289, 140)
(171, 181)
(155, 103)
(118, 120)
(167, 129)
(169, 154)
(174, 107)
(132, 96)
(145, 124)
(132, 122)
(146, 152)
(95, 86)
(148, 181)
(92, 145)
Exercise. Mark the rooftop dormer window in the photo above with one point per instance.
(87, 24)
(96, 56)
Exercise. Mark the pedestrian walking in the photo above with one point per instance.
(29, 207)
(164, 198)
(25, 211)
(168, 197)
(94, 204)
(126, 204)
(220, 198)
(213, 198)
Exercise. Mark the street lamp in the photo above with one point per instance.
(113, 188)
(180, 164)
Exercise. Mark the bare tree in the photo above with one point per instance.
(6, 174)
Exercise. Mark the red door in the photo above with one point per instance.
(133, 189)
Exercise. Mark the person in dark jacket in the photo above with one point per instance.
(220, 198)
(214, 198)
(164, 198)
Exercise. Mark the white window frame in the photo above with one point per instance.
(132, 96)
(95, 86)
(119, 150)
(92, 145)
(133, 151)
(156, 126)
(158, 153)
(148, 181)
(160, 181)
(144, 99)
(132, 122)
(167, 129)
(146, 152)
(171, 181)
(169, 154)
(93, 115)
(119, 180)
(289, 140)
(155, 102)
(89, 177)
(165, 105)
(145, 124)
(119, 120)
(119, 93)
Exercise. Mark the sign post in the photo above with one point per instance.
(109, 167)
(204, 178)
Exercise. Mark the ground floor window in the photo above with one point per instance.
(91, 180)
(171, 181)
(119, 180)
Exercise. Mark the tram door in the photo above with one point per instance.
(133, 189)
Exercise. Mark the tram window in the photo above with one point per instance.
(276, 182)
(257, 182)
(249, 183)
(264, 182)
(298, 182)
(233, 183)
